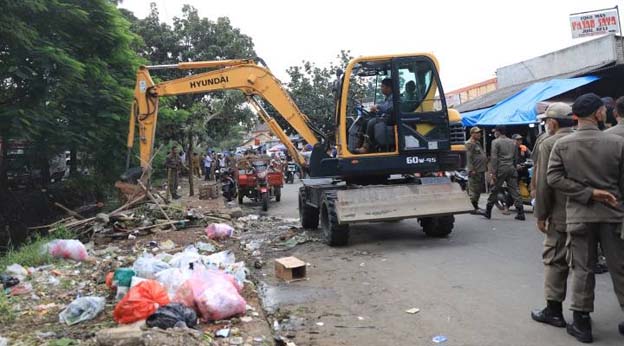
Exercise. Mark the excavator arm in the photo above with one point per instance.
(244, 75)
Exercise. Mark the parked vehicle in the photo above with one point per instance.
(525, 173)
(291, 169)
(259, 182)
(228, 184)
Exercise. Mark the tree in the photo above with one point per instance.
(67, 68)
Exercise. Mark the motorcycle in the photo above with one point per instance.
(228, 185)
(291, 169)
(525, 174)
(460, 177)
(259, 182)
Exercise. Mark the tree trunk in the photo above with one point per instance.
(73, 162)
(189, 160)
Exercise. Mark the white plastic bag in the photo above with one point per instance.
(219, 231)
(67, 248)
(239, 272)
(184, 259)
(172, 279)
(82, 309)
(147, 266)
(220, 259)
(17, 270)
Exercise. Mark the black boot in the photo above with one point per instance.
(621, 328)
(581, 328)
(520, 215)
(488, 211)
(552, 314)
(476, 211)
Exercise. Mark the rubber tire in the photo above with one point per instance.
(278, 194)
(309, 215)
(265, 201)
(334, 234)
(438, 227)
(240, 197)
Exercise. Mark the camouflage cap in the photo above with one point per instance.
(557, 110)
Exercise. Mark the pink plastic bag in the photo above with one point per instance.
(219, 231)
(68, 248)
(213, 294)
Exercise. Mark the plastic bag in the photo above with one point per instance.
(213, 294)
(17, 270)
(8, 281)
(67, 248)
(140, 302)
(219, 231)
(172, 279)
(220, 259)
(82, 309)
(239, 272)
(172, 315)
(186, 259)
(147, 266)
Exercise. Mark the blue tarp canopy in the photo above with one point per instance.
(519, 109)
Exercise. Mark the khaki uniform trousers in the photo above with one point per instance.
(475, 186)
(582, 251)
(555, 261)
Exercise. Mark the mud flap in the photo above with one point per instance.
(393, 202)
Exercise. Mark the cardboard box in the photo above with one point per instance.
(290, 269)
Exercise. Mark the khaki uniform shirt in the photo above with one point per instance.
(475, 157)
(585, 160)
(550, 204)
(536, 151)
(504, 154)
(616, 130)
(173, 162)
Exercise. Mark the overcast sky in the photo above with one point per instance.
(471, 39)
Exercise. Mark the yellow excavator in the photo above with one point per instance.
(394, 138)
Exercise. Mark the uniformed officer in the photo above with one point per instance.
(535, 159)
(618, 113)
(173, 165)
(550, 212)
(588, 167)
(476, 166)
(503, 162)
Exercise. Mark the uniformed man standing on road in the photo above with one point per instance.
(173, 165)
(476, 166)
(588, 167)
(503, 162)
(550, 211)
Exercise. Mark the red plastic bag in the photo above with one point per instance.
(140, 302)
(218, 231)
(68, 248)
(109, 280)
(213, 294)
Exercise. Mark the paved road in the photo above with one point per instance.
(476, 287)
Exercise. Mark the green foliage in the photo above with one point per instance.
(32, 254)
(7, 314)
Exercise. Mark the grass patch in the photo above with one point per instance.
(7, 314)
(31, 253)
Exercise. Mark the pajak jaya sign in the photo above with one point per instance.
(595, 23)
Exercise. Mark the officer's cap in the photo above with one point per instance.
(557, 110)
(475, 130)
(586, 104)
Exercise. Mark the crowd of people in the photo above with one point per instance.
(578, 186)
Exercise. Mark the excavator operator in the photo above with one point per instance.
(382, 111)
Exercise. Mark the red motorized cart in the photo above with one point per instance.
(260, 180)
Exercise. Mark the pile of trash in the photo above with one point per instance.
(177, 290)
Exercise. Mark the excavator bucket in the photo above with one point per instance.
(435, 196)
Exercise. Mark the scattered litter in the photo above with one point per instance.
(223, 333)
(320, 324)
(213, 293)
(52, 280)
(123, 277)
(219, 231)
(220, 259)
(360, 318)
(237, 340)
(68, 249)
(167, 245)
(82, 309)
(413, 311)
(21, 289)
(140, 302)
(246, 319)
(206, 247)
(131, 237)
(172, 279)
(4, 341)
(8, 281)
(250, 217)
(362, 264)
(46, 335)
(439, 339)
(186, 259)
(147, 266)
(17, 271)
(290, 268)
(172, 315)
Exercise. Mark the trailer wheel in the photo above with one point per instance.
(265, 201)
(334, 233)
(309, 215)
(278, 194)
(240, 197)
(438, 227)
